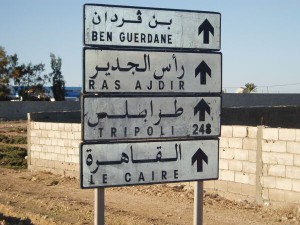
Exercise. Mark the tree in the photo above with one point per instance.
(32, 81)
(58, 83)
(250, 87)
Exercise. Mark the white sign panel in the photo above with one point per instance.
(117, 71)
(104, 165)
(151, 27)
(124, 118)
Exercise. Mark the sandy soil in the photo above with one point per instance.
(42, 198)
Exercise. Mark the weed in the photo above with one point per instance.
(13, 140)
(13, 157)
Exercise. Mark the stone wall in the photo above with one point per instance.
(256, 163)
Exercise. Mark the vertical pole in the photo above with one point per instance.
(198, 203)
(99, 206)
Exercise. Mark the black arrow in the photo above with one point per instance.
(199, 156)
(206, 27)
(203, 69)
(201, 107)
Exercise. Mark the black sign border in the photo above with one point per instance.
(135, 184)
(149, 47)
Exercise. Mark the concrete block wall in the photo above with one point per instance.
(237, 163)
(256, 163)
(54, 147)
(281, 165)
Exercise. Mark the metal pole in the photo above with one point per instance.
(99, 206)
(198, 203)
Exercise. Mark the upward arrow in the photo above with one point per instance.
(199, 157)
(201, 107)
(203, 69)
(206, 27)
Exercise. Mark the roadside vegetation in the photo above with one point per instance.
(13, 140)
(29, 80)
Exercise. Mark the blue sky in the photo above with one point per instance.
(260, 38)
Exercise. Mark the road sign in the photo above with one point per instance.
(120, 71)
(120, 164)
(124, 118)
(108, 25)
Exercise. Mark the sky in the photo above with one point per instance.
(260, 39)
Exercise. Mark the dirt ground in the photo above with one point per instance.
(42, 198)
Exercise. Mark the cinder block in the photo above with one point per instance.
(241, 177)
(292, 197)
(293, 147)
(223, 164)
(293, 172)
(226, 131)
(274, 146)
(71, 135)
(278, 158)
(70, 151)
(298, 135)
(68, 158)
(221, 185)
(276, 195)
(54, 156)
(270, 134)
(55, 126)
(250, 144)
(224, 142)
(252, 156)
(44, 133)
(36, 126)
(276, 170)
(75, 127)
(296, 185)
(67, 143)
(48, 126)
(296, 160)
(60, 142)
(287, 134)
(77, 135)
(42, 126)
(57, 134)
(68, 127)
(265, 194)
(226, 175)
(75, 159)
(239, 131)
(61, 126)
(283, 183)
(249, 167)
(235, 142)
(252, 179)
(235, 165)
(234, 187)
(248, 190)
(64, 135)
(61, 157)
(51, 134)
(252, 132)
(48, 141)
(227, 153)
(240, 154)
(75, 144)
(209, 184)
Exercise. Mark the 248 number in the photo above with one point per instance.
(202, 129)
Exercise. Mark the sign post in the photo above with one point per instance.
(151, 105)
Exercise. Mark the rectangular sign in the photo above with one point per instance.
(124, 118)
(104, 165)
(108, 25)
(120, 71)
